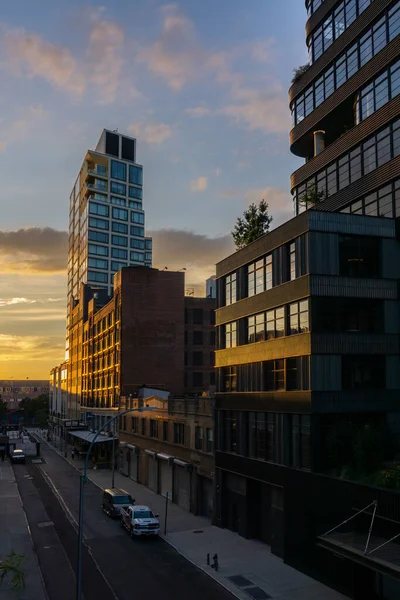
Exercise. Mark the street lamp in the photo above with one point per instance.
(83, 477)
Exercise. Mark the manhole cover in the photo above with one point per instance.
(45, 524)
(197, 531)
(240, 581)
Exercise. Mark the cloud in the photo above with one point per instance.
(280, 203)
(175, 249)
(13, 301)
(263, 110)
(198, 111)
(29, 348)
(261, 51)
(33, 250)
(151, 133)
(199, 185)
(3, 146)
(30, 54)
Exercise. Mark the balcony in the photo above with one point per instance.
(99, 171)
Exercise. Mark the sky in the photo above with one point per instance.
(203, 88)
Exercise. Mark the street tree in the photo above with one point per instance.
(254, 224)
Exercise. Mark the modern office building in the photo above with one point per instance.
(106, 219)
(308, 315)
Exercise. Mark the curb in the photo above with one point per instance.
(224, 586)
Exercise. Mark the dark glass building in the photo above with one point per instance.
(308, 316)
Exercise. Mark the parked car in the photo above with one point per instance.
(114, 499)
(17, 456)
(140, 520)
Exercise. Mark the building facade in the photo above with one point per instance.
(18, 389)
(170, 450)
(199, 345)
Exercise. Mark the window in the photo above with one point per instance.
(153, 428)
(119, 227)
(139, 244)
(229, 379)
(198, 338)
(230, 431)
(165, 431)
(139, 231)
(118, 188)
(137, 256)
(275, 320)
(292, 261)
(98, 223)
(257, 435)
(144, 427)
(118, 170)
(149, 244)
(197, 360)
(118, 201)
(179, 433)
(363, 372)
(275, 375)
(212, 338)
(135, 192)
(135, 424)
(97, 263)
(98, 250)
(119, 253)
(120, 213)
(119, 240)
(359, 256)
(298, 317)
(148, 256)
(134, 204)
(97, 276)
(230, 289)
(98, 236)
(98, 209)
(135, 175)
(116, 265)
(376, 38)
(198, 438)
(209, 440)
(260, 275)
(230, 335)
(197, 316)
(256, 328)
(137, 217)
(300, 442)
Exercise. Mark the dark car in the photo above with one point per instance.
(17, 456)
(114, 499)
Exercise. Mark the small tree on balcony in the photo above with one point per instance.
(312, 197)
(299, 72)
(253, 225)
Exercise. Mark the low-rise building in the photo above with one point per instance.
(18, 389)
(170, 449)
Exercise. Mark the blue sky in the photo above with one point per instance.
(203, 87)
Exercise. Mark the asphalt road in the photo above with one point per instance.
(115, 567)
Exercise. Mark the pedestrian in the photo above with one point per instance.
(73, 453)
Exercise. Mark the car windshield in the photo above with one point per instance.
(17, 452)
(123, 500)
(143, 514)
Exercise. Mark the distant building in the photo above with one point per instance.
(18, 389)
(211, 287)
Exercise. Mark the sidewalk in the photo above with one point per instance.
(246, 567)
(15, 536)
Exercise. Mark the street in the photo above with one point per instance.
(114, 565)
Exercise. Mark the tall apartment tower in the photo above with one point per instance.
(106, 219)
(346, 108)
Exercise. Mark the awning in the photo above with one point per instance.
(131, 447)
(181, 463)
(87, 436)
(151, 453)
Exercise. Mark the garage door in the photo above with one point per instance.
(123, 458)
(182, 487)
(165, 471)
(207, 496)
(152, 473)
(133, 464)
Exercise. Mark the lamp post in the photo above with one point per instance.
(83, 477)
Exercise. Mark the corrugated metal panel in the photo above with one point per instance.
(347, 224)
(352, 138)
(324, 255)
(391, 317)
(346, 287)
(377, 178)
(354, 401)
(354, 343)
(390, 259)
(351, 34)
(282, 294)
(326, 372)
(393, 373)
(294, 345)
